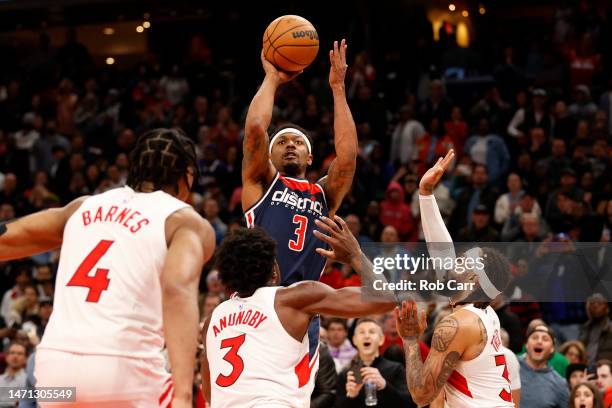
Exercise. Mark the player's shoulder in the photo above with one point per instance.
(187, 218)
(462, 320)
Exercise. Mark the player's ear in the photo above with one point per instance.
(309, 160)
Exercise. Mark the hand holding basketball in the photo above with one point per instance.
(280, 76)
(337, 58)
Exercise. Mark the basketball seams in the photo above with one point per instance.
(282, 55)
(289, 29)
(273, 30)
(297, 45)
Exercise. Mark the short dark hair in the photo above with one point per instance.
(298, 127)
(367, 320)
(162, 156)
(337, 320)
(245, 260)
(604, 362)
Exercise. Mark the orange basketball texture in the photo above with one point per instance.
(290, 43)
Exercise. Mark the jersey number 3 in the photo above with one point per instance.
(501, 360)
(99, 281)
(234, 359)
(300, 231)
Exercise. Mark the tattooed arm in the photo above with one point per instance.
(450, 340)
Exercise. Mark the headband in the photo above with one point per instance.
(291, 130)
(485, 283)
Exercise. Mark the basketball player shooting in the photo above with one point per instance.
(275, 194)
(466, 359)
(257, 342)
(127, 282)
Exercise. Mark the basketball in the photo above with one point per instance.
(290, 43)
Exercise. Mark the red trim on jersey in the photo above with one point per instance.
(249, 219)
(459, 383)
(169, 389)
(303, 369)
(302, 185)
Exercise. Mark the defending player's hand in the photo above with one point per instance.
(344, 246)
(337, 58)
(411, 322)
(280, 76)
(432, 177)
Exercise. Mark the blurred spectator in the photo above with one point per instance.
(214, 285)
(477, 192)
(25, 307)
(480, 229)
(596, 333)
(574, 351)
(324, 392)
(340, 348)
(404, 137)
(396, 213)
(507, 203)
(14, 376)
(389, 377)
(354, 225)
(211, 301)
(575, 374)
(534, 116)
(438, 105)
(211, 213)
(604, 375)
(489, 150)
(21, 277)
(586, 395)
(431, 145)
(583, 107)
(541, 385)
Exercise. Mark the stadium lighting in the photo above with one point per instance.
(451, 7)
(482, 10)
(110, 61)
(108, 31)
(146, 24)
(465, 13)
(139, 29)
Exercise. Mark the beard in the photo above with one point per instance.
(291, 169)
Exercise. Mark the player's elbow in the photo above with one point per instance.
(420, 397)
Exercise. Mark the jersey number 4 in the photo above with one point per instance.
(233, 358)
(300, 231)
(97, 283)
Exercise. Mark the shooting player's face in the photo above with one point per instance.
(290, 155)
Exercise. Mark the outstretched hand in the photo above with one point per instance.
(410, 321)
(432, 177)
(344, 246)
(279, 75)
(337, 58)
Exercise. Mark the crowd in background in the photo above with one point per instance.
(532, 137)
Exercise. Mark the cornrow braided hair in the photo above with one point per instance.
(162, 156)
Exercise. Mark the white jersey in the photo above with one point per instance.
(108, 296)
(483, 382)
(253, 361)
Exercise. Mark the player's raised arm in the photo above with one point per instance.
(191, 242)
(450, 340)
(35, 233)
(257, 171)
(342, 169)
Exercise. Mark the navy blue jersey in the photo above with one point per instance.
(287, 212)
